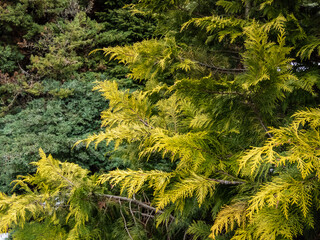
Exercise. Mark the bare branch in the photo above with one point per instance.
(264, 127)
(125, 222)
(222, 70)
(13, 100)
(144, 214)
(23, 71)
(141, 120)
(219, 69)
(223, 92)
(63, 177)
(71, 183)
(258, 116)
(134, 219)
(137, 202)
(226, 182)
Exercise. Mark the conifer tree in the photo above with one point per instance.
(224, 76)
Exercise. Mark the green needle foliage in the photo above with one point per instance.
(53, 39)
(46, 76)
(56, 122)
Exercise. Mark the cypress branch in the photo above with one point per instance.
(226, 182)
(219, 69)
(137, 202)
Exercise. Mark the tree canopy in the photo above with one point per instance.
(220, 133)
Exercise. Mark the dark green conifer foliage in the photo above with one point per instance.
(56, 124)
(55, 39)
(45, 99)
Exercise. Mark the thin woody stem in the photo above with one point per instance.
(137, 202)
